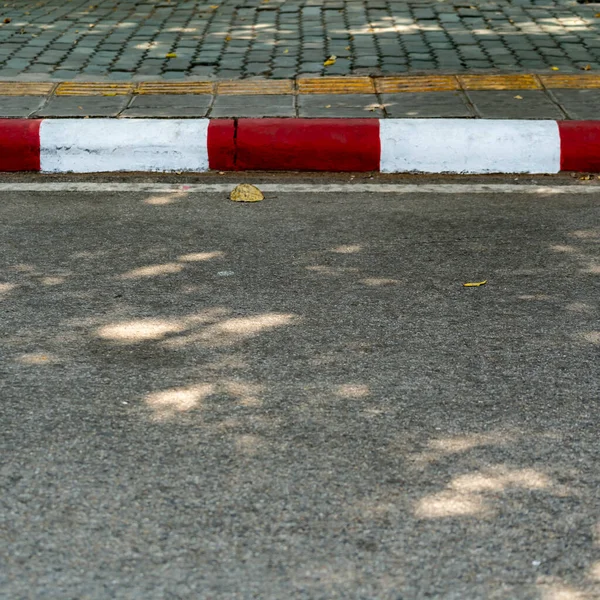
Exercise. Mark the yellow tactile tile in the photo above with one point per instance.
(417, 83)
(580, 82)
(15, 88)
(499, 82)
(258, 87)
(335, 85)
(183, 87)
(84, 88)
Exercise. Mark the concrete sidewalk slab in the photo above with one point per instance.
(578, 104)
(514, 104)
(83, 106)
(254, 106)
(426, 104)
(20, 106)
(168, 105)
(339, 106)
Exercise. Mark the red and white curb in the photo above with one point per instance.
(389, 145)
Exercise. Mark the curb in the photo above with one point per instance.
(334, 145)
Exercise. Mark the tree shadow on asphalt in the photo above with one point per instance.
(272, 401)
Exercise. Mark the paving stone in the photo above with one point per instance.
(579, 104)
(426, 105)
(253, 106)
(83, 106)
(23, 107)
(339, 106)
(502, 104)
(168, 106)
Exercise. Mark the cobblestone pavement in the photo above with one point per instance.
(64, 40)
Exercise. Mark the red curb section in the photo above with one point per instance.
(308, 145)
(294, 145)
(221, 144)
(579, 146)
(20, 144)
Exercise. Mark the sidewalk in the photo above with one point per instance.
(232, 39)
(521, 96)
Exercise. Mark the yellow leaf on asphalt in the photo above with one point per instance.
(227, 38)
(171, 55)
(330, 61)
(597, 15)
(246, 192)
(587, 68)
(475, 283)
(328, 106)
(347, 48)
(214, 6)
(286, 51)
(555, 68)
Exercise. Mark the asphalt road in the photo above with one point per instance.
(298, 398)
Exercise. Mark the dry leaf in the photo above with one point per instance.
(109, 94)
(347, 48)
(328, 106)
(227, 38)
(585, 177)
(475, 283)
(597, 15)
(7, 20)
(555, 68)
(246, 192)
(214, 6)
(330, 61)
(586, 68)
(171, 55)
(518, 97)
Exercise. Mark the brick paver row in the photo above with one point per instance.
(130, 39)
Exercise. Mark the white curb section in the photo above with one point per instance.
(469, 146)
(93, 145)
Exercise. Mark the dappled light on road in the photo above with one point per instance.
(6, 288)
(133, 332)
(352, 390)
(168, 403)
(467, 494)
(347, 249)
(153, 271)
(37, 358)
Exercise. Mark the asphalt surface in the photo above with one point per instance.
(298, 398)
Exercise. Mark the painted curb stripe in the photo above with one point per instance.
(580, 145)
(389, 145)
(469, 146)
(308, 144)
(221, 141)
(104, 145)
(20, 144)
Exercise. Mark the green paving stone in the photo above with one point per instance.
(83, 106)
(253, 106)
(502, 104)
(15, 106)
(579, 104)
(168, 106)
(426, 105)
(340, 105)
